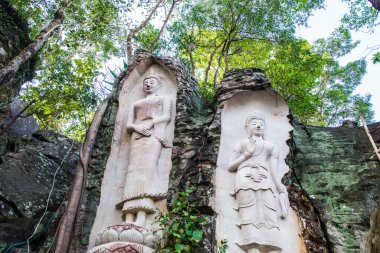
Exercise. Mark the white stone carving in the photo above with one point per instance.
(137, 171)
(257, 188)
(121, 247)
(126, 233)
(238, 220)
(147, 122)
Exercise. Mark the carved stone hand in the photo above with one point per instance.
(247, 154)
(142, 130)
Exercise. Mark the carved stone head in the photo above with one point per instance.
(255, 124)
(151, 83)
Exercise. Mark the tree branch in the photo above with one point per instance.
(210, 61)
(163, 25)
(217, 70)
(62, 240)
(133, 31)
(190, 50)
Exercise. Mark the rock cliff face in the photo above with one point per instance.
(371, 242)
(192, 115)
(334, 167)
(28, 166)
(236, 81)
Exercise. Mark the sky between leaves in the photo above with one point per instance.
(324, 21)
(70, 80)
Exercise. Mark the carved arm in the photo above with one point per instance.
(237, 158)
(167, 113)
(131, 127)
(273, 165)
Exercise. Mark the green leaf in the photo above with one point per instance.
(179, 247)
(376, 58)
(113, 73)
(197, 235)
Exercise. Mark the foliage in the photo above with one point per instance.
(66, 89)
(318, 89)
(65, 97)
(211, 33)
(376, 57)
(211, 37)
(181, 226)
(223, 246)
(362, 15)
(145, 38)
(70, 78)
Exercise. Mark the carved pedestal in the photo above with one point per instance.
(121, 247)
(126, 238)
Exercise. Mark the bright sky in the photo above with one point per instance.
(324, 22)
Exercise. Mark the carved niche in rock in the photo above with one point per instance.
(251, 202)
(135, 181)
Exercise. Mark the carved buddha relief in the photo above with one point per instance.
(258, 187)
(136, 178)
(147, 122)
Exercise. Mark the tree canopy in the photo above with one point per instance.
(210, 37)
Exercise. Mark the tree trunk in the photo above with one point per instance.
(8, 71)
(375, 4)
(62, 240)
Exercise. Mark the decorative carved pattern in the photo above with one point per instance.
(126, 232)
(126, 226)
(121, 247)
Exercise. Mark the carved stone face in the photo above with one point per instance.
(150, 85)
(256, 127)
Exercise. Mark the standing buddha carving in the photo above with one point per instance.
(257, 189)
(147, 122)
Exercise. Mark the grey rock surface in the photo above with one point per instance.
(28, 166)
(16, 121)
(334, 167)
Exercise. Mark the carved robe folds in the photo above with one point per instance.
(142, 186)
(255, 195)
